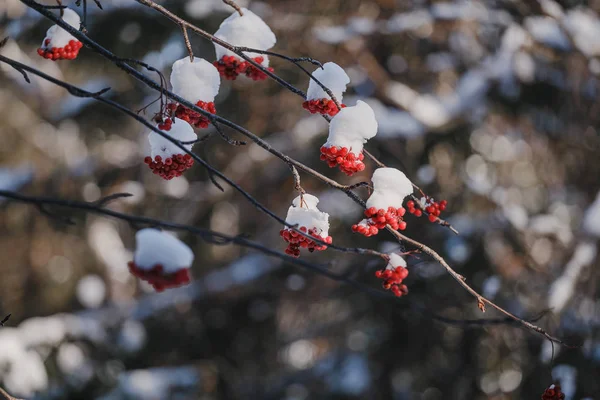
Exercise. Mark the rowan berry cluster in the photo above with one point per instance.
(190, 116)
(348, 162)
(378, 219)
(322, 106)
(296, 241)
(392, 280)
(553, 393)
(230, 67)
(170, 167)
(433, 208)
(68, 52)
(158, 278)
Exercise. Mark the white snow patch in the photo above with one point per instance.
(563, 288)
(591, 220)
(584, 27)
(91, 291)
(307, 214)
(390, 187)
(396, 260)
(57, 35)
(547, 31)
(247, 31)
(331, 76)
(180, 130)
(352, 127)
(195, 80)
(154, 247)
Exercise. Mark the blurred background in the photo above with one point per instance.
(491, 105)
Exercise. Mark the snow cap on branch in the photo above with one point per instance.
(57, 36)
(248, 30)
(352, 127)
(154, 247)
(304, 212)
(333, 77)
(396, 261)
(196, 80)
(180, 130)
(390, 187)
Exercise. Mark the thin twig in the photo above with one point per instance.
(235, 6)
(188, 45)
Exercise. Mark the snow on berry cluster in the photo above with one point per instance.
(167, 159)
(393, 275)
(349, 130)
(230, 67)
(333, 77)
(161, 259)
(553, 393)
(60, 44)
(304, 213)
(248, 30)
(384, 206)
(198, 82)
(432, 207)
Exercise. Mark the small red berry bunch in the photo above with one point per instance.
(393, 275)
(433, 208)
(190, 116)
(68, 52)
(553, 393)
(348, 162)
(296, 241)
(158, 278)
(230, 67)
(378, 219)
(322, 106)
(170, 167)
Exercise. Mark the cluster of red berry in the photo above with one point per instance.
(378, 219)
(190, 116)
(433, 208)
(171, 167)
(392, 280)
(68, 52)
(231, 66)
(158, 279)
(295, 241)
(553, 393)
(164, 125)
(348, 162)
(322, 106)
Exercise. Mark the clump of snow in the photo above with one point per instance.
(352, 127)
(57, 35)
(331, 76)
(390, 187)
(396, 260)
(180, 130)
(195, 80)
(304, 212)
(248, 30)
(584, 27)
(153, 247)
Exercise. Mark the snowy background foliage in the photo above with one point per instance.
(492, 105)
